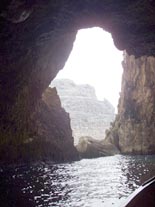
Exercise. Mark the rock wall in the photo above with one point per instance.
(48, 135)
(89, 116)
(134, 128)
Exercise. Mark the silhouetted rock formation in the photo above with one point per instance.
(89, 116)
(91, 148)
(134, 128)
(48, 135)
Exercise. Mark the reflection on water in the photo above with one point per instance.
(87, 183)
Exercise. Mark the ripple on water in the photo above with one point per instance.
(101, 182)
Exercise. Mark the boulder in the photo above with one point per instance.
(92, 148)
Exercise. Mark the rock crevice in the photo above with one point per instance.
(134, 127)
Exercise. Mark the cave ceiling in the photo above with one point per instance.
(36, 36)
(28, 23)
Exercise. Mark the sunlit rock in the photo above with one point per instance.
(91, 148)
(89, 116)
(134, 128)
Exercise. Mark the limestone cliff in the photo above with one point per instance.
(48, 135)
(89, 116)
(134, 128)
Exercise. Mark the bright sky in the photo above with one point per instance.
(96, 61)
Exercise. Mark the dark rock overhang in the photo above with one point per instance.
(36, 36)
(30, 23)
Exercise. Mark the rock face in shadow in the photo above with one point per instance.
(89, 116)
(48, 135)
(91, 148)
(134, 127)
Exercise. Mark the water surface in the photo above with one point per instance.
(101, 182)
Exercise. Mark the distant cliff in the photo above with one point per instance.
(89, 116)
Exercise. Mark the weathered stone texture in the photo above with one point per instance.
(134, 128)
(89, 116)
(48, 135)
(91, 148)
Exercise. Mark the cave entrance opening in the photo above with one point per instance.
(90, 82)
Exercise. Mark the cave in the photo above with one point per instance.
(36, 38)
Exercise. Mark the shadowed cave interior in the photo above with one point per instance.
(36, 38)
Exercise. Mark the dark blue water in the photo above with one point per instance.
(102, 182)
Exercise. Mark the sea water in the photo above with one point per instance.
(100, 182)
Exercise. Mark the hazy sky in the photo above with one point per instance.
(96, 61)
